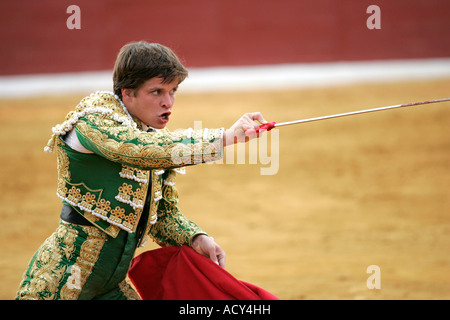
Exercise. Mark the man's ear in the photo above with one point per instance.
(127, 94)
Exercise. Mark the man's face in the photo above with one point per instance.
(152, 103)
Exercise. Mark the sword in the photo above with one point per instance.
(270, 125)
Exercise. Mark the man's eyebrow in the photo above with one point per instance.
(153, 88)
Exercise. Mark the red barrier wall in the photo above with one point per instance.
(204, 33)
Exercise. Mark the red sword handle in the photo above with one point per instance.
(266, 126)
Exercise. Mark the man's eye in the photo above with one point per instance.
(156, 92)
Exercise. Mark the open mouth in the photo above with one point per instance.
(165, 116)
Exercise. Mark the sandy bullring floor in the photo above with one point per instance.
(348, 193)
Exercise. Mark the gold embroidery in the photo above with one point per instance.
(125, 192)
(90, 217)
(88, 201)
(127, 172)
(141, 175)
(128, 291)
(157, 153)
(89, 253)
(104, 125)
(134, 174)
(116, 220)
(74, 195)
(116, 213)
(134, 198)
(62, 165)
(103, 207)
(132, 218)
(138, 198)
(49, 267)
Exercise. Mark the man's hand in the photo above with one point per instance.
(237, 134)
(206, 246)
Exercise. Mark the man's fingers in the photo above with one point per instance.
(244, 129)
(216, 254)
(208, 247)
(257, 116)
(221, 259)
(251, 129)
(254, 118)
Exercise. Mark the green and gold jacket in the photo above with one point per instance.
(109, 186)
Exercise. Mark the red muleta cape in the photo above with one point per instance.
(180, 273)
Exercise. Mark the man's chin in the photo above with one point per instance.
(158, 126)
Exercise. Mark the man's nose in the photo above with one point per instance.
(167, 101)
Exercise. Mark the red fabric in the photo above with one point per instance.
(179, 273)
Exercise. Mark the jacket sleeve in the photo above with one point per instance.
(172, 227)
(148, 150)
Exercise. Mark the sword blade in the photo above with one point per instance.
(360, 111)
